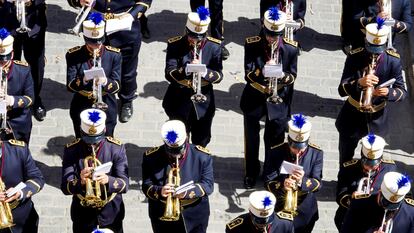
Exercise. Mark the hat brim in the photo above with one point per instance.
(100, 40)
(194, 35)
(174, 150)
(297, 145)
(376, 49)
(370, 162)
(267, 32)
(262, 221)
(89, 139)
(387, 204)
(6, 57)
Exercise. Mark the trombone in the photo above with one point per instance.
(82, 14)
(21, 16)
(273, 81)
(97, 87)
(198, 97)
(365, 101)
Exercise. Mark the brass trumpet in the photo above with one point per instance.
(6, 217)
(387, 7)
(291, 199)
(21, 16)
(364, 186)
(97, 88)
(386, 225)
(198, 97)
(172, 205)
(94, 196)
(5, 131)
(82, 14)
(365, 102)
(273, 81)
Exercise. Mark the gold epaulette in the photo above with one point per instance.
(291, 42)
(16, 142)
(409, 201)
(22, 63)
(357, 50)
(350, 162)
(390, 161)
(393, 53)
(203, 149)
(152, 150)
(114, 140)
(214, 40)
(284, 215)
(73, 143)
(277, 145)
(234, 223)
(253, 39)
(174, 39)
(315, 146)
(74, 49)
(113, 49)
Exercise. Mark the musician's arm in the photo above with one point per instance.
(149, 188)
(33, 177)
(71, 183)
(206, 185)
(74, 81)
(118, 181)
(253, 73)
(397, 92)
(343, 196)
(406, 22)
(140, 7)
(214, 70)
(313, 182)
(112, 86)
(174, 72)
(25, 100)
(349, 81)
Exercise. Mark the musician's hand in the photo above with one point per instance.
(3, 196)
(181, 195)
(289, 184)
(86, 2)
(381, 92)
(102, 81)
(195, 61)
(383, 15)
(102, 178)
(378, 231)
(297, 175)
(14, 197)
(271, 62)
(85, 174)
(368, 80)
(167, 189)
(9, 100)
(287, 79)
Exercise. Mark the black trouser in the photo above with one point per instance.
(216, 10)
(274, 134)
(339, 216)
(34, 54)
(129, 72)
(347, 145)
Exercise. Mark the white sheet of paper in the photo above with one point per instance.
(288, 168)
(273, 71)
(102, 169)
(387, 83)
(94, 73)
(16, 189)
(3, 107)
(187, 186)
(119, 24)
(196, 68)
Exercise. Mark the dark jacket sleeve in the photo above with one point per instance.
(206, 184)
(114, 79)
(141, 6)
(349, 81)
(343, 194)
(151, 190)
(33, 177)
(253, 72)
(175, 66)
(118, 181)
(398, 91)
(74, 3)
(74, 78)
(313, 182)
(404, 24)
(300, 13)
(71, 183)
(25, 100)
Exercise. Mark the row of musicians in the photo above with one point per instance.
(384, 194)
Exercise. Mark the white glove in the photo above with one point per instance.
(102, 81)
(9, 100)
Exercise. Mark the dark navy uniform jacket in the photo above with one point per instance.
(197, 166)
(257, 53)
(78, 60)
(35, 16)
(282, 223)
(351, 121)
(365, 216)
(350, 175)
(312, 163)
(299, 8)
(110, 150)
(111, 7)
(177, 100)
(18, 166)
(20, 86)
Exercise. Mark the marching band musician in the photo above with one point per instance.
(299, 9)
(389, 211)
(91, 56)
(19, 92)
(125, 34)
(80, 176)
(18, 167)
(193, 48)
(173, 164)
(364, 81)
(371, 167)
(305, 181)
(254, 100)
(261, 217)
(356, 15)
(29, 35)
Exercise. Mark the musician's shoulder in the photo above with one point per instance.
(350, 163)
(389, 161)
(22, 63)
(203, 149)
(113, 49)
(235, 223)
(284, 215)
(174, 39)
(393, 53)
(114, 141)
(76, 141)
(152, 150)
(409, 201)
(253, 39)
(314, 146)
(15, 142)
(212, 39)
(74, 49)
(290, 42)
(356, 51)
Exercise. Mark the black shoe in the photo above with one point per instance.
(146, 34)
(126, 112)
(249, 182)
(225, 54)
(39, 112)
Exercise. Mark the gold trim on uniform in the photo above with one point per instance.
(315, 146)
(357, 50)
(409, 201)
(291, 42)
(29, 99)
(74, 49)
(317, 185)
(390, 161)
(393, 53)
(253, 39)
(214, 40)
(144, 4)
(284, 215)
(35, 184)
(351, 162)
(114, 140)
(174, 39)
(203, 149)
(113, 49)
(73, 143)
(275, 146)
(22, 63)
(201, 189)
(234, 223)
(348, 202)
(152, 150)
(16, 142)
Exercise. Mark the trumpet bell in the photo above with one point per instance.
(100, 105)
(23, 29)
(274, 99)
(198, 98)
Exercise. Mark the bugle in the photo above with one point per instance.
(291, 198)
(172, 209)
(365, 102)
(273, 77)
(21, 16)
(97, 87)
(198, 97)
